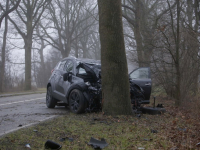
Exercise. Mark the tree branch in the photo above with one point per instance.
(131, 21)
(17, 28)
(125, 6)
(9, 11)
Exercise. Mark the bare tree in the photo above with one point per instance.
(65, 21)
(29, 13)
(41, 70)
(175, 56)
(3, 52)
(143, 17)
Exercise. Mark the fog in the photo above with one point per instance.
(157, 35)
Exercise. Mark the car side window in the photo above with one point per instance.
(61, 65)
(140, 73)
(69, 66)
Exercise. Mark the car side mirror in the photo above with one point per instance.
(67, 76)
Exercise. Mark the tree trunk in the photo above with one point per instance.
(115, 81)
(138, 36)
(84, 46)
(66, 51)
(177, 63)
(196, 46)
(2, 73)
(44, 77)
(76, 50)
(28, 46)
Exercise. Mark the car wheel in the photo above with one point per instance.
(50, 100)
(77, 101)
(153, 110)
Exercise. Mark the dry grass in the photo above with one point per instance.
(177, 128)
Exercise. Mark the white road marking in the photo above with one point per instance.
(22, 101)
(28, 125)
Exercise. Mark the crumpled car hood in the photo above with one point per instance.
(91, 69)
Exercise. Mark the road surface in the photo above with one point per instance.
(25, 110)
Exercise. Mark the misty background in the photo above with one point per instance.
(160, 34)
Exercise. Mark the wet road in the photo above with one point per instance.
(25, 110)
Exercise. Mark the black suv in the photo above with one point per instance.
(77, 82)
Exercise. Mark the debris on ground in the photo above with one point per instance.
(52, 145)
(65, 138)
(28, 146)
(96, 144)
(148, 139)
(71, 139)
(198, 144)
(141, 148)
(154, 131)
(160, 106)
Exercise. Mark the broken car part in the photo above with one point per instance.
(96, 144)
(52, 145)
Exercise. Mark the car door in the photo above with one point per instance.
(142, 77)
(54, 76)
(63, 86)
(58, 80)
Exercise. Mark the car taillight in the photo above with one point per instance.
(52, 70)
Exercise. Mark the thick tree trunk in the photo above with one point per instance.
(115, 81)
(143, 31)
(28, 49)
(138, 36)
(28, 46)
(2, 73)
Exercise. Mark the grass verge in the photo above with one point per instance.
(14, 93)
(173, 130)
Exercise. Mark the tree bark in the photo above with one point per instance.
(196, 45)
(28, 47)
(2, 73)
(115, 81)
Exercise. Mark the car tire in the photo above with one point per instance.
(77, 102)
(50, 100)
(153, 110)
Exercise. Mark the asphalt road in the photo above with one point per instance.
(21, 111)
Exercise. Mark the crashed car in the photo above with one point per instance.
(76, 82)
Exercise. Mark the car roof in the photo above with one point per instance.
(90, 61)
(84, 60)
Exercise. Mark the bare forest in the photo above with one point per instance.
(160, 34)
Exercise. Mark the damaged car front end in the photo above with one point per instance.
(92, 79)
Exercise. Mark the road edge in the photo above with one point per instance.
(26, 126)
(25, 93)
